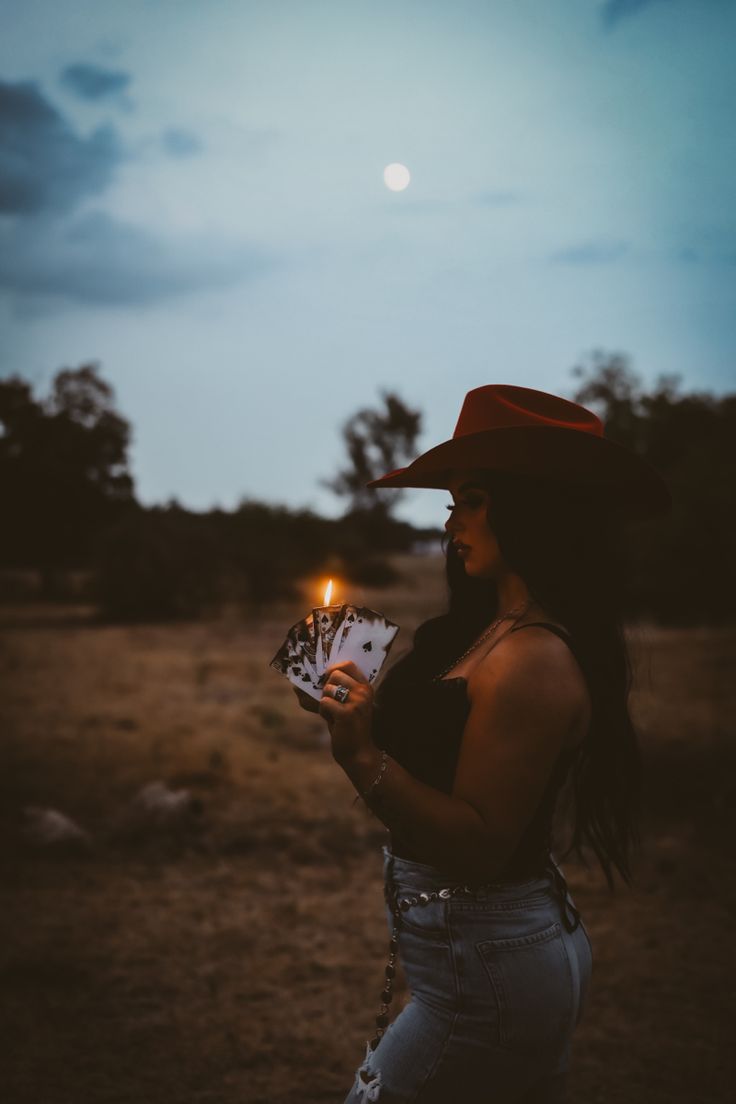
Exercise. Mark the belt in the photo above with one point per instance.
(560, 890)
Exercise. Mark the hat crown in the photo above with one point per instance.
(497, 405)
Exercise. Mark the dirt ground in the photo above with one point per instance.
(232, 952)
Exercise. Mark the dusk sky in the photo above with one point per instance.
(192, 195)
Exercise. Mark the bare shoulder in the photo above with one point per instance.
(534, 667)
(535, 652)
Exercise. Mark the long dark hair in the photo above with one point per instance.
(570, 550)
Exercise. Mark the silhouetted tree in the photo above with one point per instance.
(691, 440)
(63, 468)
(377, 441)
(161, 563)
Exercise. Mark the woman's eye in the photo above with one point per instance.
(473, 503)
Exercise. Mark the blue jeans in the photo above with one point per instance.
(498, 983)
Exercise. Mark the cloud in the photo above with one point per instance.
(180, 143)
(590, 253)
(100, 260)
(44, 164)
(496, 197)
(724, 254)
(92, 82)
(50, 254)
(613, 11)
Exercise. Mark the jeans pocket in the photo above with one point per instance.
(426, 920)
(533, 985)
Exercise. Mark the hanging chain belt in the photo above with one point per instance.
(400, 905)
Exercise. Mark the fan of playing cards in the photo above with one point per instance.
(331, 634)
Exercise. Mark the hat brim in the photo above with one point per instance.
(582, 459)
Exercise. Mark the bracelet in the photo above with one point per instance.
(376, 780)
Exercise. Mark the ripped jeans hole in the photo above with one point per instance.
(368, 1084)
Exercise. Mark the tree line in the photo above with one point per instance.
(68, 502)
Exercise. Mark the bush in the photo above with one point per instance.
(160, 563)
(373, 572)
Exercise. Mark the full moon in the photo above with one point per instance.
(396, 176)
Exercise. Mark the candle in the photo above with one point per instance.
(326, 620)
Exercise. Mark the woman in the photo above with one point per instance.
(469, 738)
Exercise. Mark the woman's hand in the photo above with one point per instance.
(349, 722)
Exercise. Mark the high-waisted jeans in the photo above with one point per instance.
(498, 982)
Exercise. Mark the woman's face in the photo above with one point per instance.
(467, 525)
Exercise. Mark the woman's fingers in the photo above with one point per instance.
(349, 668)
(346, 674)
(340, 678)
(359, 693)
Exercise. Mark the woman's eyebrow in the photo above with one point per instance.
(466, 487)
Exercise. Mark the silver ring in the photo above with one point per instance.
(341, 693)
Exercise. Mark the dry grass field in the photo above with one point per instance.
(230, 949)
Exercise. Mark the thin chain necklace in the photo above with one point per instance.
(516, 613)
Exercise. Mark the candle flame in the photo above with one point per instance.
(328, 593)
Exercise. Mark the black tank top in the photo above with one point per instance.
(420, 723)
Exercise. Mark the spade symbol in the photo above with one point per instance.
(368, 646)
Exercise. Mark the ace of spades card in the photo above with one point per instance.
(332, 634)
(365, 637)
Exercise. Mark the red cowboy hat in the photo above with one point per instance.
(518, 429)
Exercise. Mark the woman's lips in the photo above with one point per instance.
(462, 549)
